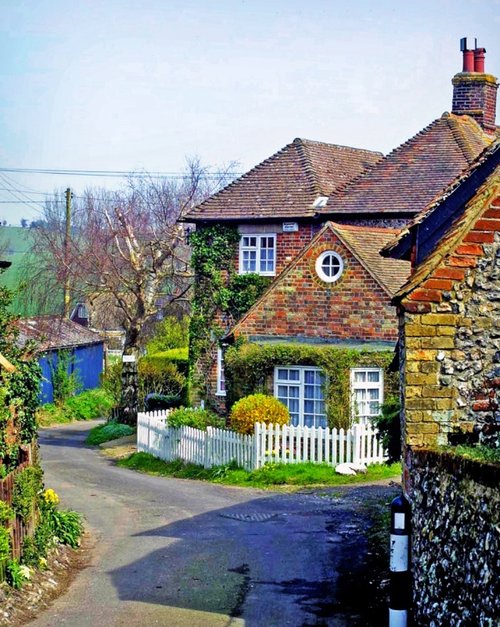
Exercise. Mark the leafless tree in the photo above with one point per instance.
(128, 246)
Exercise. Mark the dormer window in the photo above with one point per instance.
(258, 254)
(320, 202)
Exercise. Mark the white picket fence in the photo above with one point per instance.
(269, 443)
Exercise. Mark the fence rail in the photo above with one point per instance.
(268, 443)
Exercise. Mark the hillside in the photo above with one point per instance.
(15, 244)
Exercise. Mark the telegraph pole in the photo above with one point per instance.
(67, 237)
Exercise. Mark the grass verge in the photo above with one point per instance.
(478, 453)
(106, 433)
(271, 475)
(85, 406)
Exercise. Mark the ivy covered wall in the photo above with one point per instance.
(221, 296)
(249, 368)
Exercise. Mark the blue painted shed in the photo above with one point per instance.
(83, 350)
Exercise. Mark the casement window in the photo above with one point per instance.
(258, 254)
(367, 390)
(301, 389)
(221, 379)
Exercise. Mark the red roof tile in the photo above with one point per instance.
(366, 243)
(288, 183)
(413, 174)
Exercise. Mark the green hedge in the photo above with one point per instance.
(249, 369)
(177, 356)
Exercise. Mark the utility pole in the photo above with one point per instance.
(67, 237)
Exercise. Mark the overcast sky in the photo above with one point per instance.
(131, 85)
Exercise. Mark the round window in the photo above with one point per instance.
(329, 266)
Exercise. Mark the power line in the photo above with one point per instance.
(106, 173)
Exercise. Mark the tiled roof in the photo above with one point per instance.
(287, 184)
(413, 174)
(365, 243)
(54, 332)
(455, 224)
(400, 246)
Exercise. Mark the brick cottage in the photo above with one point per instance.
(313, 218)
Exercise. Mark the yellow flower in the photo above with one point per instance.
(50, 496)
(42, 563)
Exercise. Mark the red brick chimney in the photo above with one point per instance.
(474, 91)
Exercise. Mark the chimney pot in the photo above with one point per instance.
(468, 65)
(479, 60)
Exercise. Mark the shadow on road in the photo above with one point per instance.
(298, 557)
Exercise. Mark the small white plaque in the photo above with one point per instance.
(399, 520)
(290, 227)
(127, 359)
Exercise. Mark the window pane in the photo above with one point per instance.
(359, 377)
(308, 407)
(282, 374)
(294, 375)
(374, 376)
(308, 420)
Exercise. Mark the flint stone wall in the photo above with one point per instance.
(455, 539)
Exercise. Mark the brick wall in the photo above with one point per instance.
(301, 305)
(450, 330)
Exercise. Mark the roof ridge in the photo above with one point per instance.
(305, 158)
(341, 146)
(361, 227)
(456, 129)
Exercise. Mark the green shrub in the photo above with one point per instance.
(107, 432)
(27, 485)
(388, 424)
(169, 333)
(197, 418)
(177, 356)
(68, 527)
(6, 513)
(64, 383)
(111, 380)
(15, 574)
(154, 402)
(257, 408)
(90, 404)
(4, 543)
(157, 375)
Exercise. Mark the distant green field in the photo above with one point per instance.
(15, 243)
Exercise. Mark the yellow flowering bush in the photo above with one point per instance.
(50, 497)
(257, 408)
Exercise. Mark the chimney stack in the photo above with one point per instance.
(474, 91)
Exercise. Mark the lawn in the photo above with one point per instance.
(270, 476)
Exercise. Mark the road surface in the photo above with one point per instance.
(186, 553)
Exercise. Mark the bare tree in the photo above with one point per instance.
(130, 247)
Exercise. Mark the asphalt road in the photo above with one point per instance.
(177, 552)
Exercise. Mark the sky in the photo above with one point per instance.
(121, 85)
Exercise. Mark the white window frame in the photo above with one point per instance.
(221, 379)
(319, 266)
(364, 418)
(258, 248)
(320, 419)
